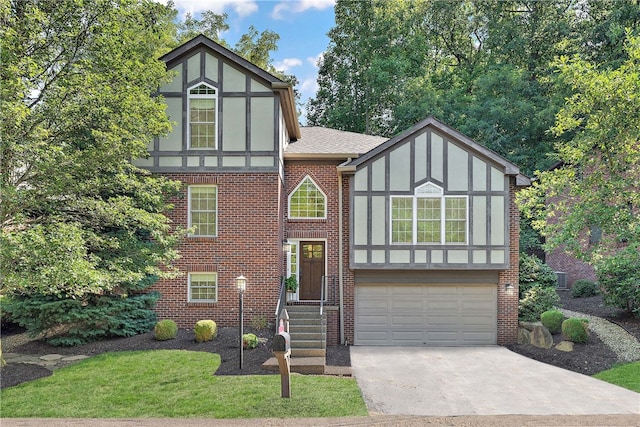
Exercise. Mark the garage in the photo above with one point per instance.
(448, 314)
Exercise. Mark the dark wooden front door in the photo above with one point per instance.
(311, 270)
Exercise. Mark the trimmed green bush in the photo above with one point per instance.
(249, 341)
(552, 320)
(165, 330)
(619, 277)
(584, 288)
(576, 330)
(205, 330)
(536, 301)
(533, 272)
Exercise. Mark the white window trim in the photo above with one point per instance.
(296, 189)
(189, 223)
(190, 276)
(201, 96)
(443, 219)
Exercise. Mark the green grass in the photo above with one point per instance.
(175, 383)
(627, 376)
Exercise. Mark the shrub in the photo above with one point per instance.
(69, 322)
(205, 330)
(584, 288)
(552, 320)
(619, 278)
(165, 330)
(249, 341)
(259, 322)
(534, 272)
(536, 301)
(576, 330)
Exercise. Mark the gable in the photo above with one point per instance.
(431, 198)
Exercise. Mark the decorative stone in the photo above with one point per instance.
(529, 325)
(566, 346)
(524, 336)
(51, 357)
(541, 337)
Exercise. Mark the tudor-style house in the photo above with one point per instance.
(407, 241)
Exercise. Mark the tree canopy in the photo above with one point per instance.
(483, 67)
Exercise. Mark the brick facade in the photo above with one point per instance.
(508, 299)
(559, 260)
(249, 243)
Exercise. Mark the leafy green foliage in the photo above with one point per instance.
(68, 322)
(584, 288)
(165, 330)
(533, 272)
(249, 341)
(535, 301)
(619, 277)
(576, 330)
(552, 320)
(205, 330)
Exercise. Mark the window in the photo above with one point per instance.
(203, 210)
(203, 287)
(307, 201)
(428, 217)
(202, 116)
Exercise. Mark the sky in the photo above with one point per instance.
(302, 25)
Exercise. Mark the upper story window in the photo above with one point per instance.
(429, 217)
(307, 201)
(203, 116)
(203, 210)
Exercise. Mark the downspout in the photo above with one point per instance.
(341, 168)
(340, 256)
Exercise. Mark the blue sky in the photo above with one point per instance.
(301, 24)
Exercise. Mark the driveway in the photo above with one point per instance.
(448, 381)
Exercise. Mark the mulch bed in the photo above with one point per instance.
(587, 358)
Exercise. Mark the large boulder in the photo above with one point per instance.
(524, 336)
(541, 337)
(566, 346)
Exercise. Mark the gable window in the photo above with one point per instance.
(202, 116)
(203, 210)
(307, 201)
(203, 287)
(429, 217)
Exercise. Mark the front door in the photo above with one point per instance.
(311, 270)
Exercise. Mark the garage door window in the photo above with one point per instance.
(429, 217)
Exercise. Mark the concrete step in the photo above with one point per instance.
(307, 329)
(307, 343)
(307, 336)
(301, 365)
(308, 352)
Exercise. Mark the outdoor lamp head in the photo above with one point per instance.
(241, 283)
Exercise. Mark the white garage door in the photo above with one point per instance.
(425, 315)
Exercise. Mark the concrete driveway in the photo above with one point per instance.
(447, 381)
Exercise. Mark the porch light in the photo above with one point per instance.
(241, 283)
(286, 246)
(509, 289)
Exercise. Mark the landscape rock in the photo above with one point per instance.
(524, 336)
(541, 337)
(529, 325)
(566, 346)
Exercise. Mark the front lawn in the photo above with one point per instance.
(175, 383)
(627, 376)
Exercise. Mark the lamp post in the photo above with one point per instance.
(241, 284)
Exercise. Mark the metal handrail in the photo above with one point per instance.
(322, 329)
(281, 302)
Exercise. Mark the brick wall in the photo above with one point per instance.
(508, 300)
(249, 243)
(559, 260)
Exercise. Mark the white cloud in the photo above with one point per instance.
(314, 60)
(309, 87)
(286, 64)
(241, 7)
(292, 7)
